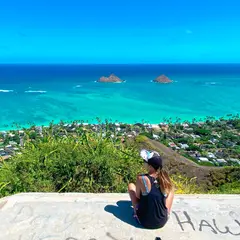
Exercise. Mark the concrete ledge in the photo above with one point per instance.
(79, 216)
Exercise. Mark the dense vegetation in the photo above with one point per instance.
(90, 161)
(189, 177)
(217, 140)
(84, 163)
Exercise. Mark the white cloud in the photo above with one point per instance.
(188, 31)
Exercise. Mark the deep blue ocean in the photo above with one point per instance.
(38, 94)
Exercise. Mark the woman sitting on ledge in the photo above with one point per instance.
(152, 196)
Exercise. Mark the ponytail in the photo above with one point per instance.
(164, 181)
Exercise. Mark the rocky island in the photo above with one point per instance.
(162, 79)
(111, 79)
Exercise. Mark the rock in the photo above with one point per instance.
(162, 79)
(111, 79)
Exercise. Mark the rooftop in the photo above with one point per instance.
(76, 216)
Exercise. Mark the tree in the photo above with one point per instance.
(202, 131)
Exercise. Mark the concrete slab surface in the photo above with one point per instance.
(78, 216)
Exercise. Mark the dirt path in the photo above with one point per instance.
(206, 176)
(169, 153)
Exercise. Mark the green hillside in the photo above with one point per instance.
(99, 162)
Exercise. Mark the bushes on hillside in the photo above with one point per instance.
(88, 163)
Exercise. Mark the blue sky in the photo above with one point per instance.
(119, 31)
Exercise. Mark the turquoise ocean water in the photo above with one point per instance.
(41, 93)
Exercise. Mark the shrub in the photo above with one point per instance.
(147, 134)
(89, 163)
(184, 185)
(202, 131)
(227, 188)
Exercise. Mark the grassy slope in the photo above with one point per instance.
(90, 163)
(211, 179)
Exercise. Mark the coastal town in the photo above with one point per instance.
(211, 142)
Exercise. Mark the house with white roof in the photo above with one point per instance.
(156, 136)
(211, 155)
(221, 160)
(234, 160)
(203, 159)
(183, 146)
(12, 143)
(185, 125)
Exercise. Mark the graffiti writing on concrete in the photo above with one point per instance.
(66, 222)
(204, 224)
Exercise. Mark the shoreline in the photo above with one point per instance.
(72, 94)
(96, 122)
(213, 142)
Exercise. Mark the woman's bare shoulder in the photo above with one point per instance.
(141, 176)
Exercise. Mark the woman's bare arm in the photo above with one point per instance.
(138, 187)
(169, 201)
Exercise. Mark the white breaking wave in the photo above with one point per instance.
(5, 91)
(211, 83)
(32, 91)
(78, 86)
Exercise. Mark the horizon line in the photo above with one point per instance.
(167, 63)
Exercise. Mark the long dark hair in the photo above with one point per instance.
(165, 183)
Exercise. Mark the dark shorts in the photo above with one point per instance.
(138, 217)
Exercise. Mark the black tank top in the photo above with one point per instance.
(152, 211)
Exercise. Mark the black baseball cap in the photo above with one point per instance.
(152, 158)
(155, 162)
